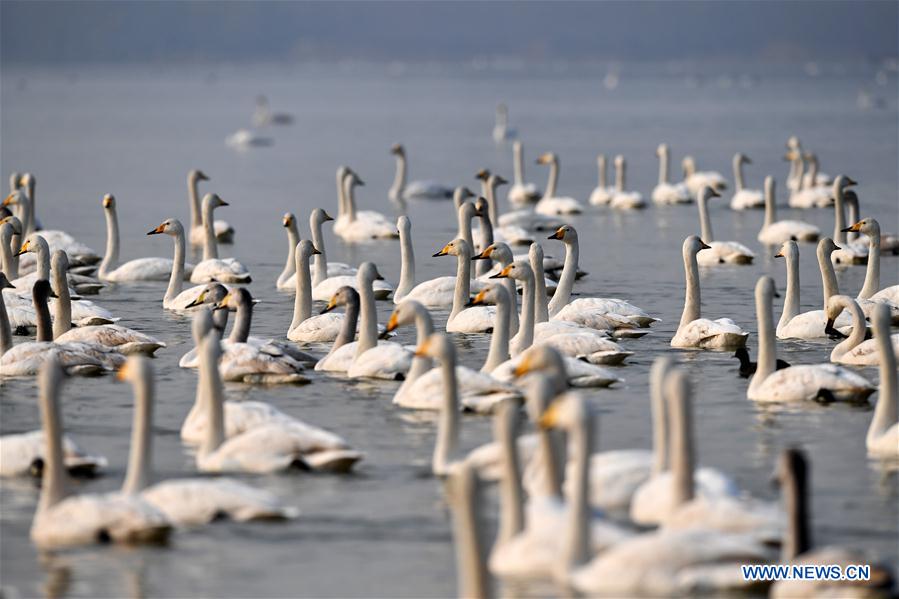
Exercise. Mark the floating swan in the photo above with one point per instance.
(139, 269)
(263, 115)
(883, 433)
(175, 298)
(64, 518)
(806, 194)
(520, 192)
(854, 350)
(37, 245)
(793, 476)
(213, 268)
(357, 226)
(697, 332)
(400, 190)
(287, 278)
(224, 233)
(501, 130)
(343, 350)
(775, 232)
(550, 204)
(664, 192)
(799, 382)
(602, 193)
(511, 233)
(871, 288)
(22, 454)
(622, 199)
(719, 252)
(322, 267)
(500, 253)
(696, 180)
(811, 324)
(889, 242)
(185, 501)
(10, 234)
(476, 319)
(306, 328)
(847, 253)
(744, 199)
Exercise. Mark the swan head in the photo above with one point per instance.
(306, 250)
(832, 309)
(320, 216)
(619, 160)
(14, 223)
(288, 220)
(109, 201)
(688, 164)
(14, 180)
(234, 299)
(566, 412)
(535, 252)
(826, 247)
(404, 313)
(693, 245)
(397, 150)
(546, 158)
(482, 175)
(197, 175)
(368, 273)
(869, 226)
(170, 226)
(491, 295)
(662, 150)
(136, 369)
(840, 183)
(15, 198)
(542, 358)
(344, 296)
(438, 346)
(212, 294)
(33, 243)
(788, 250)
(793, 142)
(707, 192)
(404, 224)
(496, 180)
(743, 158)
(518, 271)
(565, 233)
(352, 178)
(455, 247)
(481, 207)
(765, 289)
(59, 261)
(212, 200)
(460, 194)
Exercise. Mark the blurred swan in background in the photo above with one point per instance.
(224, 233)
(550, 204)
(743, 198)
(664, 192)
(401, 190)
(520, 193)
(501, 130)
(696, 180)
(719, 252)
(774, 232)
(264, 116)
(621, 198)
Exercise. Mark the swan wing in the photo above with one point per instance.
(338, 360)
(222, 270)
(477, 319)
(387, 360)
(319, 328)
(807, 381)
(142, 269)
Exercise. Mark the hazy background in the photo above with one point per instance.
(104, 32)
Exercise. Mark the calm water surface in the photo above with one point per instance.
(385, 529)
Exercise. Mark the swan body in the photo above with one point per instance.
(476, 319)
(550, 204)
(665, 192)
(578, 373)
(520, 193)
(176, 298)
(403, 190)
(305, 327)
(854, 350)
(696, 180)
(478, 391)
(224, 233)
(23, 453)
(871, 293)
(799, 382)
(356, 226)
(501, 130)
(718, 252)
(776, 232)
(621, 198)
(744, 199)
(882, 439)
(122, 339)
(323, 291)
(697, 332)
(212, 268)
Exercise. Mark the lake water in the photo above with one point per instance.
(384, 530)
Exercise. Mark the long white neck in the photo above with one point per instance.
(620, 175)
(448, 426)
(482, 267)
(368, 329)
(464, 215)
(525, 336)
(243, 320)
(886, 413)
(463, 488)
(839, 216)
(553, 179)
(196, 218)
(705, 222)
(738, 172)
(663, 166)
(424, 327)
(859, 330)
(177, 278)
(518, 163)
(681, 451)
(320, 260)
(213, 395)
(302, 301)
(54, 482)
(5, 330)
(541, 307)
(800, 173)
(349, 195)
(511, 495)
(399, 179)
(499, 339)
(293, 238)
(828, 276)
(407, 263)
(42, 255)
(692, 299)
(493, 209)
(851, 202)
(770, 207)
(872, 270)
(140, 459)
(112, 242)
(540, 393)
(210, 247)
(7, 259)
(463, 280)
(603, 174)
(659, 415)
(562, 294)
(576, 546)
(341, 194)
(791, 302)
(62, 307)
(767, 358)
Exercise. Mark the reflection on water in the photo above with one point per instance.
(385, 529)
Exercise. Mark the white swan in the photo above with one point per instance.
(883, 433)
(848, 253)
(811, 324)
(520, 193)
(287, 278)
(401, 190)
(476, 319)
(889, 242)
(213, 268)
(719, 252)
(871, 290)
(501, 130)
(22, 454)
(326, 282)
(602, 193)
(799, 382)
(774, 232)
(806, 193)
(664, 192)
(793, 476)
(264, 116)
(854, 350)
(694, 331)
(10, 235)
(185, 501)
(224, 233)
(139, 269)
(621, 198)
(343, 350)
(744, 199)
(550, 204)
(37, 245)
(353, 225)
(306, 328)
(272, 446)
(64, 518)
(176, 298)
(323, 268)
(511, 233)
(696, 180)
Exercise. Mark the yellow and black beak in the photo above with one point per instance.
(286, 220)
(854, 228)
(393, 323)
(24, 248)
(550, 416)
(703, 245)
(779, 254)
(107, 202)
(316, 252)
(332, 303)
(714, 194)
(422, 350)
(8, 200)
(157, 230)
(200, 299)
(479, 298)
(443, 252)
(544, 159)
(482, 174)
(559, 234)
(504, 273)
(523, 367)
(327, 216)
(485, 255)
(223, 304)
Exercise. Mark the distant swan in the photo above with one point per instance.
(622, 199)
(719, 252)
(224, 233)
(744, 199)
(602, 193)
(696, 180)
(550, 204)
(501, 130)
(354, 225)
(306, 328)
(664, 192)
(520, 193)
(401, 190)
(775, 232)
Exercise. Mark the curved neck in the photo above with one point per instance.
(42, 313)
(681, 449)
(368, 330)
(692, 299)
(839, 217)
(859, 330)
(620, 175)
(399, 179)
(886, 413)
(518, 163)
(663, 167)
(576, 549)
(541, 307)
(738, 173)
(196, 218)
(212, 395)
(210, 247)
(511, 496)
(705, 222)
(448, 426)
(140, 458)
(62, 307)
(54, 482)
(177, 278)
(349, 195)
(770, 207)
(767, 359)
(872, 270)
(828, 276)
(112, 242)
(525, 336)
(243, 319)
(463, 280)
(407, 265)
(293, 238)
(791, 302)
(499, 339)
(797, 536)
(553, 179)
(603, 174)
(319, 261)
(7, 261)
(5, 330)
(302, 301)
(562, 294)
